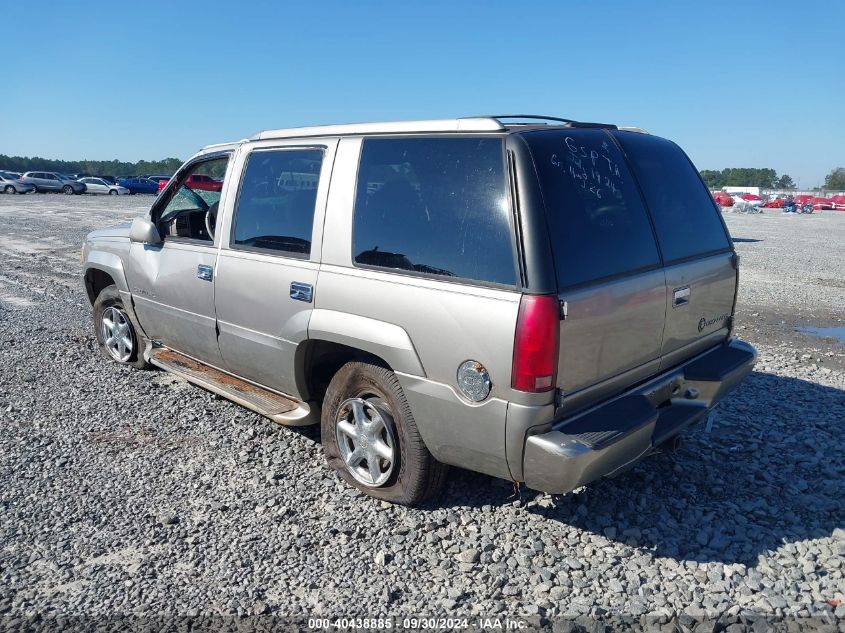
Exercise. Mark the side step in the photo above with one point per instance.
(273, 405)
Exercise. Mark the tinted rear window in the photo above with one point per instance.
(598, 225)
(435, 206)
(686, 220)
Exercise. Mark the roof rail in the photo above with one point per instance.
(630, 128)
(466, 124)
(542, 117)
(538, 117)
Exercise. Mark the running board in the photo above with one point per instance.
(268, 403)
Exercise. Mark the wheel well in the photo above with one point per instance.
(321, 360)
(95, 281)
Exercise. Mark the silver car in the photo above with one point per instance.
(10, 182)
(535, 298)
(98, 185)
(53, 181)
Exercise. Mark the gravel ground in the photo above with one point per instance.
(132, 492)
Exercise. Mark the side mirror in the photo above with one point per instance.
(145, 232)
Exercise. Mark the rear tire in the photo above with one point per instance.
(67, 190)
(367, 398)
(117, 336)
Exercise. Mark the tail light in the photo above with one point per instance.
(535, 346)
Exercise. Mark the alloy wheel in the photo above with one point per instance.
(365, 439)
(118, 336)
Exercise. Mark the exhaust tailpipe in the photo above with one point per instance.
(671, 445)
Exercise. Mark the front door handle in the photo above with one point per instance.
(301, 291)
(681, 296)
(206, 273)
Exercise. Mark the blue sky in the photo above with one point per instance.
(754, 84)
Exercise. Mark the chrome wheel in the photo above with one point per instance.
(117, 334)
(365, 439)
(10, 189)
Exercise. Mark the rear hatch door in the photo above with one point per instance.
(608, 268)
(700, 266)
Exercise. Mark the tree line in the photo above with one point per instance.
(92, 167)
(746, 177)
(764, 178)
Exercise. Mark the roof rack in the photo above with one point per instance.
(542, 118)
(466, 124)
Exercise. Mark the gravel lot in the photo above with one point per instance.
(132, 492)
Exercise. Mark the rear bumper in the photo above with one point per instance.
(609, 438)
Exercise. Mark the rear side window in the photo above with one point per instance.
(275, 209)
(685, 217)
(435, 206)
(598, 225)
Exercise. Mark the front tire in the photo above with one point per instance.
(67, 190)
(112, 192)
(371, 439)
(116, 334)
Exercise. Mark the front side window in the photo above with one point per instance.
(598, 225)
(435, 206)
(686, 220)
(275, 208)
(190, 211)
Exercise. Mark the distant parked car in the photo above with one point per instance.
(158, 177)
(723, 199)
(838, 202)
(53, 181)
(774, 203)
(821, 204)
(138, 185)
(10, 182)
(203, 183)
(98, 185)
(748, 198)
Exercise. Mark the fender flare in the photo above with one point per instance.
(385, 340)
(110, 264)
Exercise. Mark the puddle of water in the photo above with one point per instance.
(837, 332)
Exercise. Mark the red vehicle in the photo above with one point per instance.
(802, 199)
(774, 203)
(197, 181)
(820, 204)
(723, 199)
(838, 202)
(751, 197)
(203, 183)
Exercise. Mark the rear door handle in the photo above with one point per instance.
(681, 296)
(206, 273)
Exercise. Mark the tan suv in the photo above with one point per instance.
(535, 298)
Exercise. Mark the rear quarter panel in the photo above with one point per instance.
(446, 322)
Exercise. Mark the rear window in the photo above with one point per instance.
(434, 206)
(598, 225)
(686, 220)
